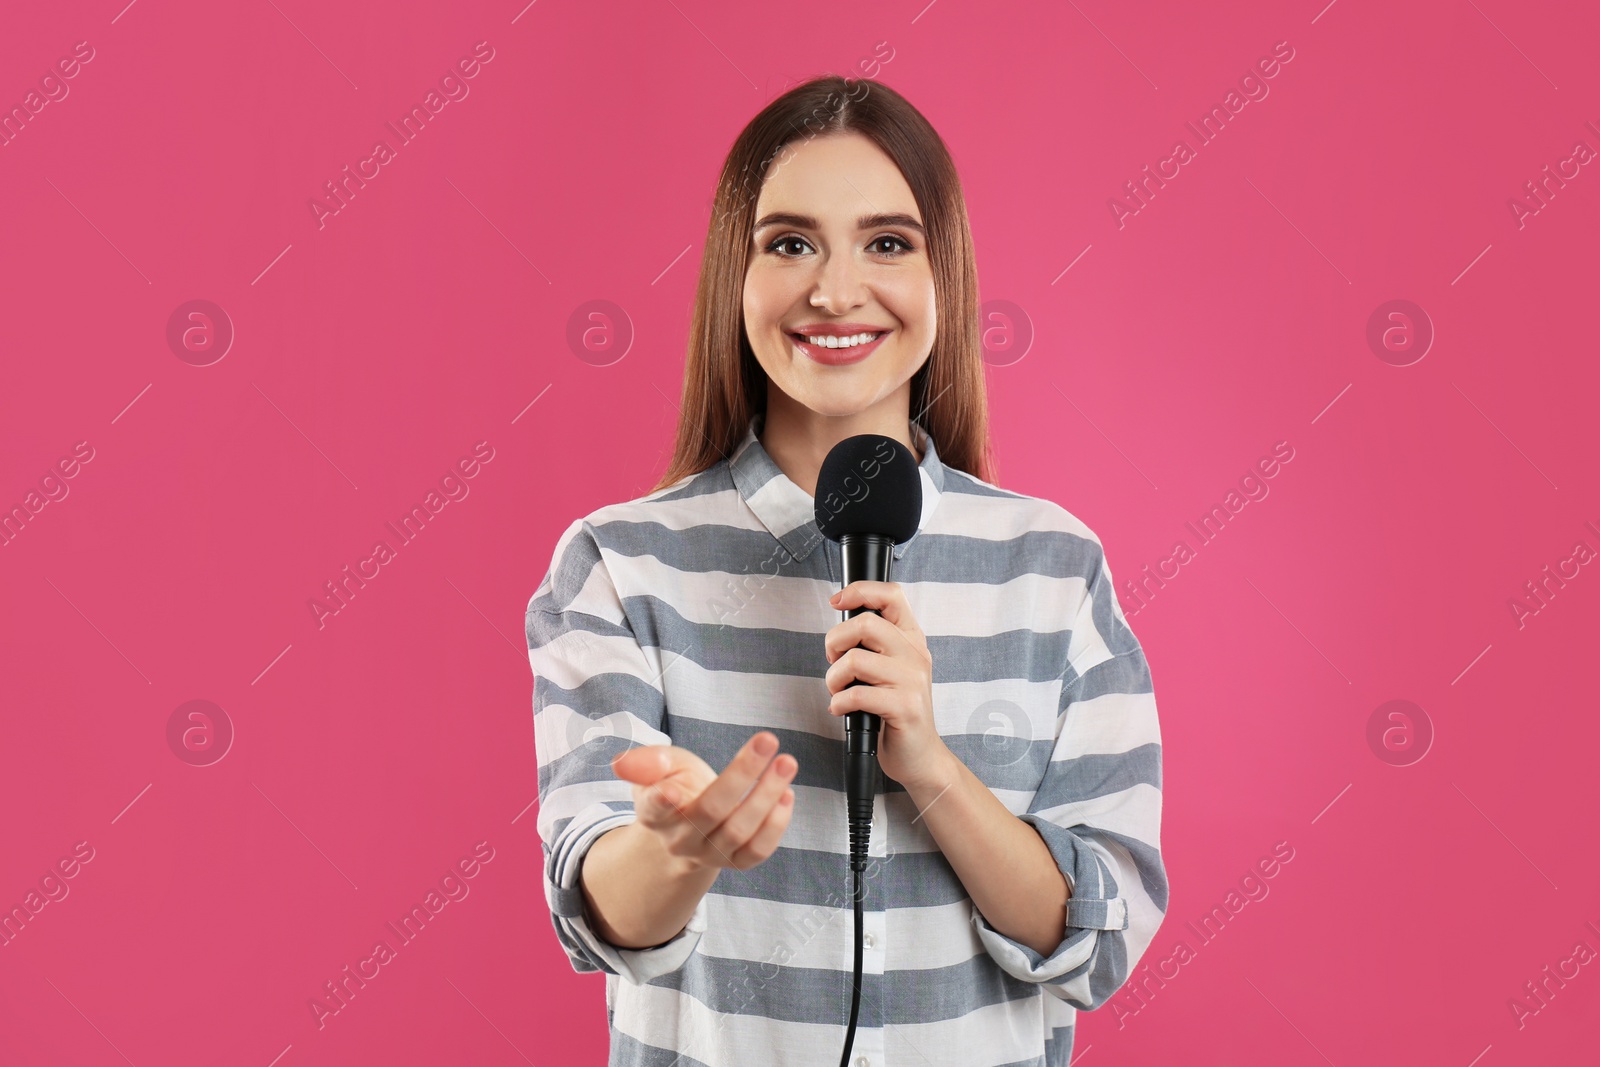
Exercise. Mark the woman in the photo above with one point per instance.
(1016, 875)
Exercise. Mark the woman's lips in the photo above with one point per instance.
(835, 357)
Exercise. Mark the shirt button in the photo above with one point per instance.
(867, 941)
(862, 1061)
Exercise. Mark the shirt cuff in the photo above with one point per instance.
(1024, 963)
(1095, 903)
(564, 894)
(1089, 910)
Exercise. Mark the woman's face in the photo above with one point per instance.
(839, 249)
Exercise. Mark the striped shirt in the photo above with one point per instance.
(695, 616)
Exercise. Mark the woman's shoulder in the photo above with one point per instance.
(675, 507)
(645, 526)
(1005, 514)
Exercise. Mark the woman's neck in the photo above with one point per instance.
(798, 439)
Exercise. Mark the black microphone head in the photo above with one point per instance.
(869, 484)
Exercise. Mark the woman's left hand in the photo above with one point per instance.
(894, 663)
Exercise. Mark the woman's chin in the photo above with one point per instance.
(835, 403)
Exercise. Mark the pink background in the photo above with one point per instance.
(372, 353)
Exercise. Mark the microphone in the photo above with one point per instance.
(868, 499)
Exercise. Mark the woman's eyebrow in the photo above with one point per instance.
(865, 222)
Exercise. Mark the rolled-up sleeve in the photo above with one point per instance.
(1098, 809)
(596, 693)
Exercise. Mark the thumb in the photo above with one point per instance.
(644, 764)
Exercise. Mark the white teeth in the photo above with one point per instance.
(842, 342)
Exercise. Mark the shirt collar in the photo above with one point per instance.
(789, 512)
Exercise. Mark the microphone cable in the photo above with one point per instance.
(862, 775)
(855, 996)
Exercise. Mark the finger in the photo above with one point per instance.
(653, 809)
(886, 598)
(863, 665)
(671, 816)
(765, 840)
(660, 807)
(868, 629)
(856, 595)
(888, 601)
(880, 702)
(747, 818)
(718, 799)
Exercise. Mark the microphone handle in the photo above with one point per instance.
(866, 557)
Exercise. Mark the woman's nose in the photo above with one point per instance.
(840, 285)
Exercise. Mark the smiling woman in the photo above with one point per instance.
(835, 288)
(692, 673)
(858, 225)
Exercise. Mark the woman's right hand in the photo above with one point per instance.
(705, 819)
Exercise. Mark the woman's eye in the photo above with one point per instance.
(784, 242)
(887, 245)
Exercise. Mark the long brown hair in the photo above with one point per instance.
(724, 385)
